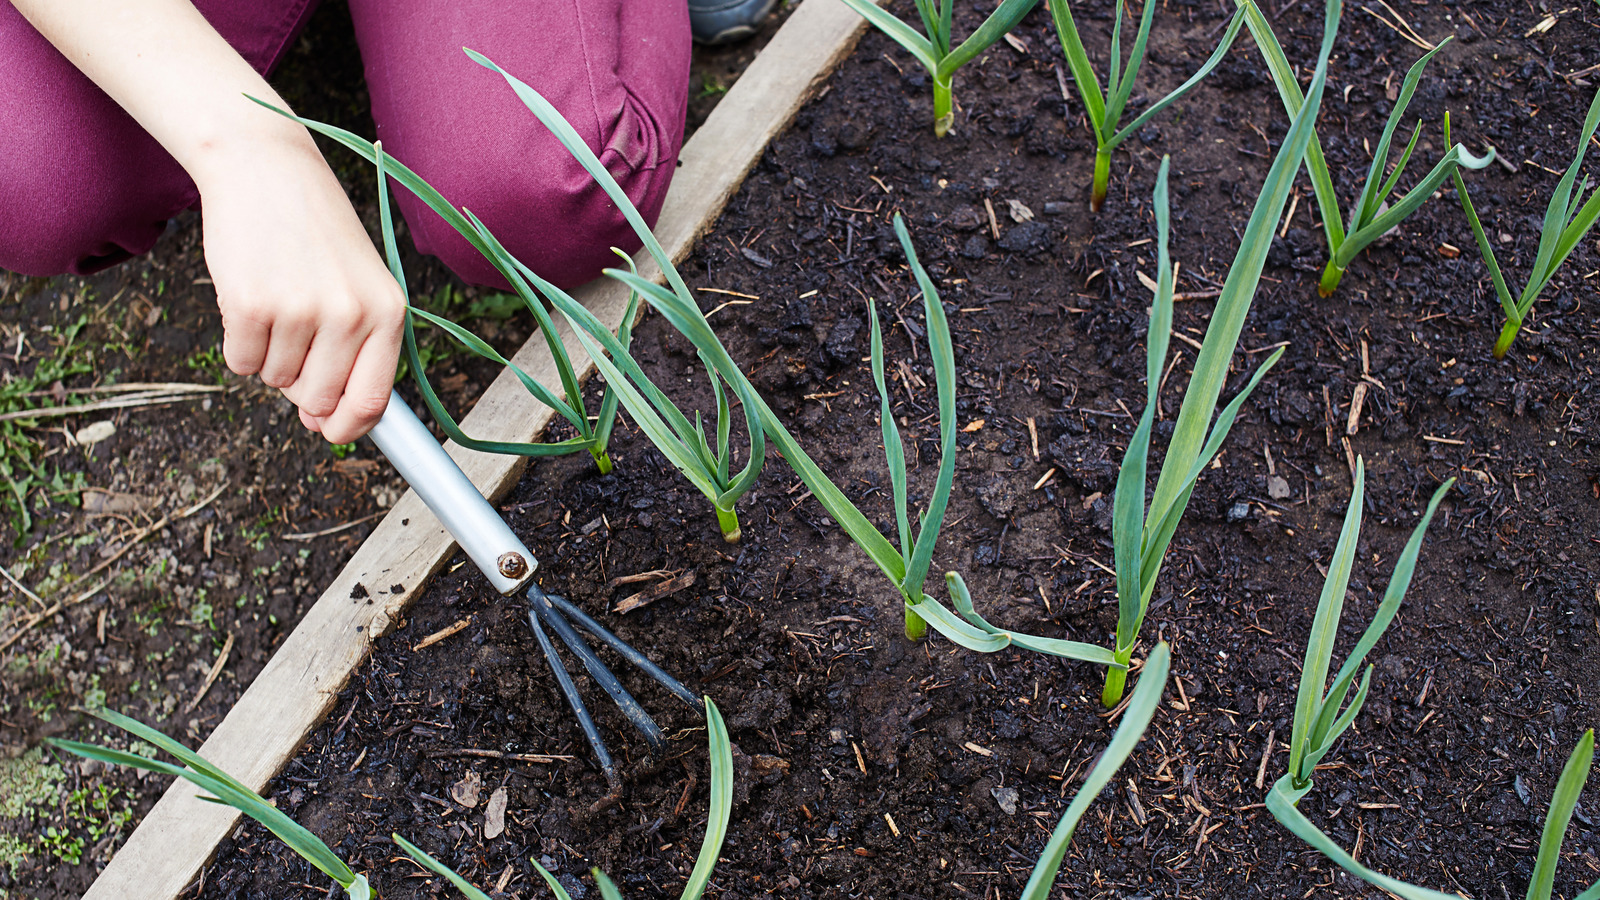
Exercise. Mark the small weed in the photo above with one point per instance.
(201, 614)
(42, 708)
(148, 621)
(255, 534)
(95, 696)
(30, 787)
(710, 87)
(498, 307)
(209, 362)
(93, 808)
(62, 845)
(13, 850)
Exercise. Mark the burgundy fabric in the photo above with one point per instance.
(618, 70)
(82, 186)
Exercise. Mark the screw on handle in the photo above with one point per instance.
(447, 491)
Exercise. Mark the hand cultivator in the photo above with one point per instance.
(509, 566)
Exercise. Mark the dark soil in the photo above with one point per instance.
(1482, 686)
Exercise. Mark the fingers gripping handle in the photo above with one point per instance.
(447, 491)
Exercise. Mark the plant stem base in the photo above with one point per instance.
(916, 626)
(1116, 681)
(1507, 335)
(1330, 279)
(1102, 179)
(944, 113)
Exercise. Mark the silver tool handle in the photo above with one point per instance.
(452, 497)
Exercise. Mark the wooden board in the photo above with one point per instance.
(294, 691)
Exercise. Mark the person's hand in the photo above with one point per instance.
(306, 301)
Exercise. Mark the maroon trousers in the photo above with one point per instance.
(82, 186)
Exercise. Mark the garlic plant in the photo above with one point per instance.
(933, 49)
(1372, 217)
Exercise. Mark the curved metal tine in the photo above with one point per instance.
(639, 660)
(570, 690)
(602, 675)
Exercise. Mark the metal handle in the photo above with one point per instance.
(452, 497)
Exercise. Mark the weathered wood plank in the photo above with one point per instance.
(294, 691)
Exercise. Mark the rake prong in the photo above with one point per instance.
(598, 670)
(585, 721)
(639, 660)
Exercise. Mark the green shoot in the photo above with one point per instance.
(1566, 221)
(1369, 218)
(679, 307)
(1139, 545)
(1540, 887)
(704, 461)
(1318, 721)
(942, 351)
(224, 789)
(1135, 719)
(1573, 776)
(721, 805)
(1140, 537)
(684, 444)
(593, 434)
(716, 829)
(1105, 108)
(227, 790)
(934, 51)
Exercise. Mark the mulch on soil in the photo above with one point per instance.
(869, 766)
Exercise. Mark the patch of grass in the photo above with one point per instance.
(13, 850)
(29, 786)
(88, 814)
(26, 783)
(30, 482)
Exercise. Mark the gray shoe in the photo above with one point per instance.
(725, 21)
